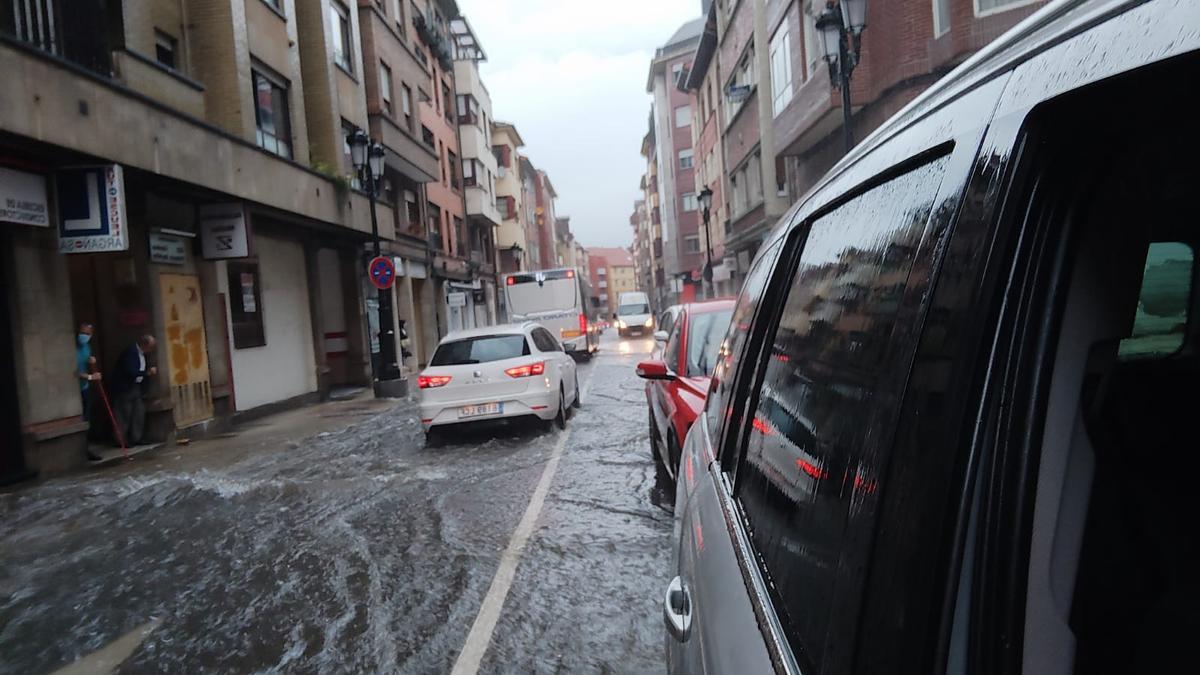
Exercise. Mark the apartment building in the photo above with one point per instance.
(894, 67)
(613, 272)
(393, 73)
(660, 289)
(672, 116)
(763, 89)
(747, 137)
(545, 219)
(529, 211)
(479, 168)
(185, 176)
(704, 83)
(456, 286)
(641, 250)
(512, 242)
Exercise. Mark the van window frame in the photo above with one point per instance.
(735, 436)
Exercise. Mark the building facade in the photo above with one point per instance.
(704, 82)
(768, 120)
(894, 67)
(612, 272)
(184, 178)
(512, 242)
(393, 73)
(474, 113)
(672, 116)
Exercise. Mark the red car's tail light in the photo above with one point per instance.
(538, 368)
(583, 323)
(432, 381)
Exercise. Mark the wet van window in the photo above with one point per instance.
(729, 353)
(816, 417)
(1160, 326)
(480, 350)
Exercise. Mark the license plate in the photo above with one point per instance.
(481, 409)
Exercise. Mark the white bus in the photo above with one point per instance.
(556, 299)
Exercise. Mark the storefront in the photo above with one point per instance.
(251, 308)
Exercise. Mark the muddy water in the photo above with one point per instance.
(354, 550)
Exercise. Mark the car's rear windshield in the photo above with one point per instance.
(637, 308)
(480, 350)
(705, 332)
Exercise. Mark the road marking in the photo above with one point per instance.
(107, 658)
(480, 636)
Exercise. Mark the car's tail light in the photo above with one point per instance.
(583, 323)
(538, 368)
(432, 381)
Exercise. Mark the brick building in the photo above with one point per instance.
(671, 118)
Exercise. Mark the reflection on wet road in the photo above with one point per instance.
(356, 550)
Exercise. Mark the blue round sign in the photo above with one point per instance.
(382, 272)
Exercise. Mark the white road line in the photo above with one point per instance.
(109, 657)
(489, 612)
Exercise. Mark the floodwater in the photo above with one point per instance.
(357, 549)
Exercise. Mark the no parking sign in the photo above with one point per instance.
(382, 272)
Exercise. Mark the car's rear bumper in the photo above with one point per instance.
(541, 403)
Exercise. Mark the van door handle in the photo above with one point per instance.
(677, 610)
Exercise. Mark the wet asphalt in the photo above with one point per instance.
(355, 550)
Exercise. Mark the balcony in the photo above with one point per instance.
(416, 160)
(435, 40)
(80, 35)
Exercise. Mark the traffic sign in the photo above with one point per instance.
(382, 272)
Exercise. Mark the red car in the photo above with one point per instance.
(678, 383)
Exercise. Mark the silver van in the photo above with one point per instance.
(953, 430)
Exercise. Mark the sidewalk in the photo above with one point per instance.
(280, 431)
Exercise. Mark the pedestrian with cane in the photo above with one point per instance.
(128, 385)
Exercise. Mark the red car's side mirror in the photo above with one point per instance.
(654, 370)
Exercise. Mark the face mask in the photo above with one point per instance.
(83, 338)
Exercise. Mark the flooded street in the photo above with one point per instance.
(353, 550)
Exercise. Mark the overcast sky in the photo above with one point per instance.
(571, 75)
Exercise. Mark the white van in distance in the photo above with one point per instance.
(633, 314)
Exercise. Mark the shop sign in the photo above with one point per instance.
(23, 198)
(91, 206)
(456, 299)
(166, 249)
(223, 232)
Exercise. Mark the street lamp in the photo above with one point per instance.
(368, 158)
(705, 198)
(841, 26)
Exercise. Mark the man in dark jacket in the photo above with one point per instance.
(129, 383)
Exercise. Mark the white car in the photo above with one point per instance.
(514, 370)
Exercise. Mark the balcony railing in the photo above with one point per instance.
(76, 31)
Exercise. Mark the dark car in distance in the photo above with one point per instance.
(951, 426)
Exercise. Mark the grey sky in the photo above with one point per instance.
(571, 75)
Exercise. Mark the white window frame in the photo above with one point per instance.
(686, 107)
(689, 202)
(780, 53)
(938, 29)
(339, 12)
(385, 87)
(688, 154)
(688, 240)
(1013, 4)
(813, 52)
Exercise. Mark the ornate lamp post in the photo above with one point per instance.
(368, 158)
(841, 26)
(705, 198)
